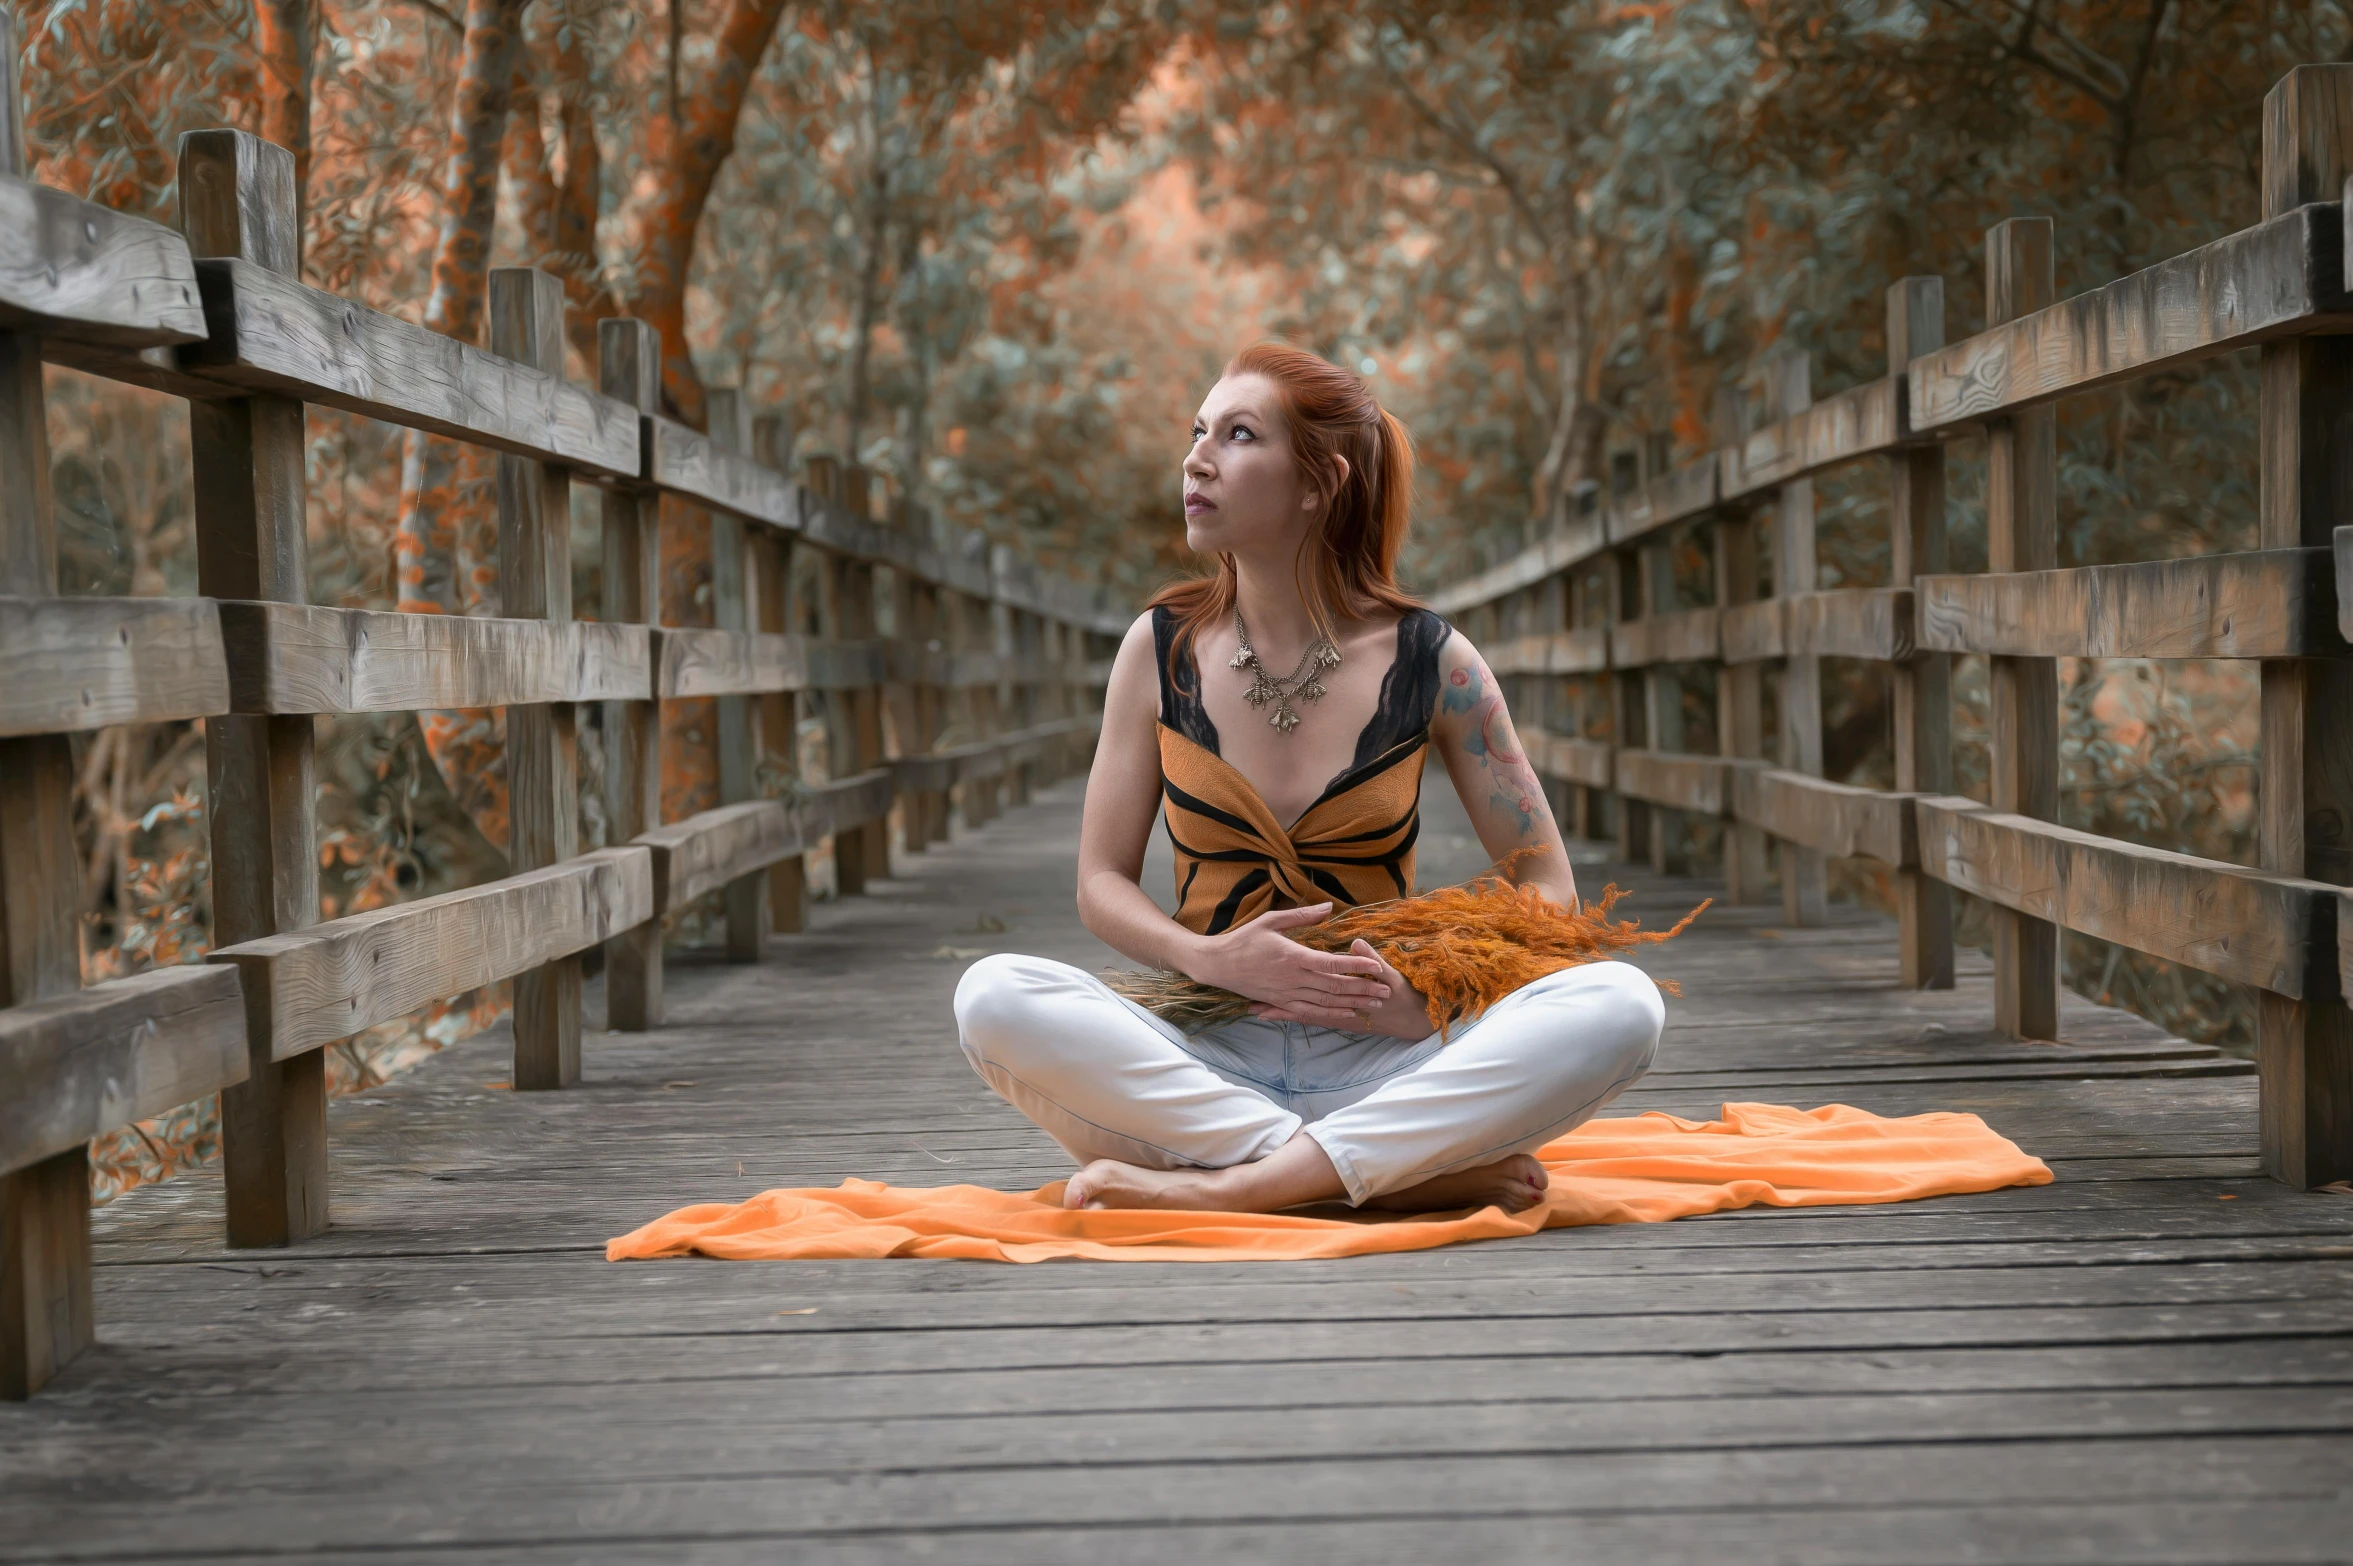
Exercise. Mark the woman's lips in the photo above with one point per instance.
(1196, 504)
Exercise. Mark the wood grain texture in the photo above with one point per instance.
(1861, 421)
(1570, 758)
(315, 986)
(72, 664)
(1920, 689)
(2304, 1047)
(1673, 780)
(687, 462)
(273, 333)
(2342, 553)
(2022, 534)
(718, 663)
(1678, 636)
(711, 849)
(1583, 649)
(1674, 496)
(238, 202)
(1850, 622)
(77, 1066)
(1754, 632)
(297, 658)
(1851, 1385)
(47, 1289)
(2253, 926)
(1574, 541)
(2285, 275)
(1832, 818)
(629, 369)
(2269, 603)
(70, 268)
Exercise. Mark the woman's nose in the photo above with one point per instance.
(1197, 460)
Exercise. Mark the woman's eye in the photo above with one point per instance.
(1242, 432)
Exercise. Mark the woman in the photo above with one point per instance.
(1286, 794)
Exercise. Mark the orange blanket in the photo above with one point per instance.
(1642, 1170)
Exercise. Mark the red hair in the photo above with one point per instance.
(1348, 561)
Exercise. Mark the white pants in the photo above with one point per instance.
(1107, 1079)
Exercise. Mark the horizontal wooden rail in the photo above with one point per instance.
(1699, 784)
(1673, 496)
(2271, 931)
(1848, 622)
(2279, 278)
(82, 1065)
(2269, 603)
(2344, 555)
(311, 987)
(1830, 818)
(271, 333)
(73, 664)
(78, 271)
(1573, 542)
(301, 658)
(708, 850)
(1582, 650)
(1688, 636)
(1862, 421)
(728, 663)
(687, 462)
(1569, 758)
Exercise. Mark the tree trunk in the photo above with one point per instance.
(524, 156)
(693, 148)
(878, 209)
(445, 490)
(285, 36)
(580, 183)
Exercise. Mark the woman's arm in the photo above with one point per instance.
(1499, 788)
(1123, 797)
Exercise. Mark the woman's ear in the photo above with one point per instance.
(1316, 500)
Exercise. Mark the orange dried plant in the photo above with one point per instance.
(1463, 947)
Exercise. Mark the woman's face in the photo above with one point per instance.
(1243, 490)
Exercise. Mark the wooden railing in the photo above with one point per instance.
(910, 646)
(1594, 597)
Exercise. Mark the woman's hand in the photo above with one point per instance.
(1291, 982)
(1404, 1015)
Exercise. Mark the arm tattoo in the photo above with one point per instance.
(1512, 789)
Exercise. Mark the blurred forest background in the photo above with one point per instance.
(997, 251)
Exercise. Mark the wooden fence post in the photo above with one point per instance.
(45, 1313)
(2304, 1048)
(629, 369)
(1789, 391)
(728, 418)
(535, 583)
(2022, 534)
(237, 200)
(1629, 710)
(1662, 708)
(1740, 687)
(780, 711)
(1920, 690)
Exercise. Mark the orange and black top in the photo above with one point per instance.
(1354, 845)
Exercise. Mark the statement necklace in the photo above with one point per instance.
(1303, 684)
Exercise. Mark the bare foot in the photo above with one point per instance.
(1107, 1183)
(1514, 1184)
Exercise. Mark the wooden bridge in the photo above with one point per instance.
(384, 1327)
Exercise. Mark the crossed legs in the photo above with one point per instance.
(1153, 1126)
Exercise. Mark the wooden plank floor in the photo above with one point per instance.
(2150, 1359)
